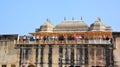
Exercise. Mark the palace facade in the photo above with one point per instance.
(72, 43)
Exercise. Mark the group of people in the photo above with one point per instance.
(38, 38)
(62, 37)
(56, 38)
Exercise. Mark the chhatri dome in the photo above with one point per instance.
(72, 25)
(97, 25)
(47, 26)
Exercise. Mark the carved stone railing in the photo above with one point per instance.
(97, 41)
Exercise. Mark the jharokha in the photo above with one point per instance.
(71, 43)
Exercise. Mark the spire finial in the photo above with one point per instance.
(72, 18)
(64, 18)
(98, 19)
(47, 19)
(81, 18)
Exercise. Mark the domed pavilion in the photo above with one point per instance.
(71, 43)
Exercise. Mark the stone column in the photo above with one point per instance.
(37, 53)
(101, 56)
(109, 56)
(60, 55)
(72, 56)
(55, 55)
(112, 58)
(66, 55)
(104, 55)
(82, 55)
(94, 55)
(103, 61)
(42, 55)
(32, 56)
(23, 57)
(50, 56)
(86, 55)
(20, 58)
(89, 56)
(77, 54)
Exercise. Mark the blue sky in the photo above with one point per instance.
(23, 16)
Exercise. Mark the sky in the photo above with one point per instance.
(24, 16)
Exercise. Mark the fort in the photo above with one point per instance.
(71, 43)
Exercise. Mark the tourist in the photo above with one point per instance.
(24, 38)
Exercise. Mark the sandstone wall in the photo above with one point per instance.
(8, 54)
(117, 52)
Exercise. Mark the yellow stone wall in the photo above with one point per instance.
(8, 54)
(117, 51)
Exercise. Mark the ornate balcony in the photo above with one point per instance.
(67, 42)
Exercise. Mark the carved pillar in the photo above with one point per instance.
(109, 56)
(80, 54)
(83, 56)
(60, 55)
(32, 50)
(42, 55)
(66, 55)
(26, 54)
(112, 58)
(94, 55)
(77, 54)
(23, 57)
(50, 56)
(20, 58)
(89, 56)
(86, 54)
(104, 55)
(72, 56)
(101, 55)
(37, 53)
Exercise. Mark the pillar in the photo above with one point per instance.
(42, 55)
(89, 56)
(72, 56)
(86, 54)
(60, 55)
(94, 55)
(82, 56)
(37, 53)
(20, 57)
(32, 56)
(50, 56)
(104, 54)
(109, 56)
(77, 54)
(66, 55)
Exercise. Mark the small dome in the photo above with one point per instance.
(47, 26)
(97, 25)
(72, 25)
